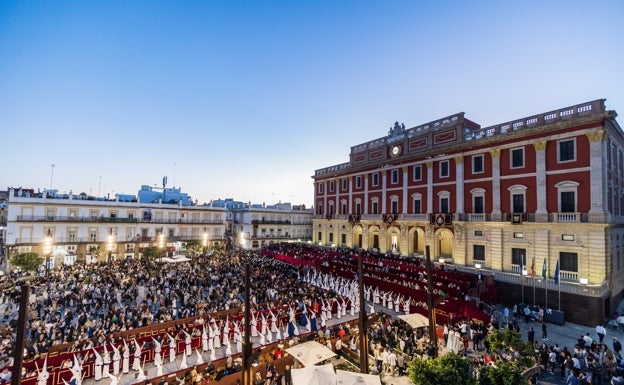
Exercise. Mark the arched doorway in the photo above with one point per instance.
(357, 237)
(444, 243)
(373, 238)
(393, 239)
(416, 245)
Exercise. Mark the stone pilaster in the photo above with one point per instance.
(496, 199)
(459, 185)
(429, 187)
(598, 212)
(405, 170)
(541, 214)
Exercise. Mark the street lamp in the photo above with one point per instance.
(47, 251)
(161, 245)
(110, 247)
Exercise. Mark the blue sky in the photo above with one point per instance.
(245, 99)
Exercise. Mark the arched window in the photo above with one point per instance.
(517, 198)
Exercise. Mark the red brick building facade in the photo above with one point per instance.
(543, 191)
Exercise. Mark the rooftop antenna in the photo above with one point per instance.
(51, 175)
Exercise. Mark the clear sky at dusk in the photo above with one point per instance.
(245, 99)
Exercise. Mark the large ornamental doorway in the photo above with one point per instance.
(357, 237)
(393, 239)
(444, 243)
(416, 245)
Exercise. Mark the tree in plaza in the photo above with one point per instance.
(508, 346)
(449, 369)
(27, 261)
(514, 357)
(153, 252)
(501, 373)
(193, 246)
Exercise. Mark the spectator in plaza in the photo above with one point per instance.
(601, 332)
(531, 335)
(617, 345)
(544, 331)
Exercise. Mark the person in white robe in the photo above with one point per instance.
(200, 358)
(106, 358)
(125, 367)
(254, 325)
(99, 362)
(157, 352)
(116, 360)
(76, 371)
(217, 336)
(136, 363)
(263, 324)
(204, 338)
(183, 364)
(114, 379)
(43, 374)
(172, 348)
(187, 343)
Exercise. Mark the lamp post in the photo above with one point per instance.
(110, 247)
(47, 251)
(204, 244)
(161, 245)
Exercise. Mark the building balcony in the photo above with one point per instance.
(101, 219)
(267, 222)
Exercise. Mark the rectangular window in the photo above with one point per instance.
(358, 181)
(569, 261)
(375, 208)
(568, 202)
(478, 252)
(331, 209)
(344, 184)
(343, 209)
(375, 179)
(320, 188)
(395, 207)
(331, 186)
(478, 205)
(566, 150)
(477, 164)
(517, 158)
(417, 206)
(417, 173)
(395, 176)
(444, 205)
(331, 237)
(444, 169)
(518, 203)
(358, 208)
(343, 239)
(320, 238)
(517, 255)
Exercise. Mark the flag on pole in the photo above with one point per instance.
(556, 277)
(521, 264)
(533, 268)
(544, 269)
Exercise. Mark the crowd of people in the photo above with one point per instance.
(83, 305)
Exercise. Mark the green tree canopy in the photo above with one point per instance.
(501, 373)
(446, 370)
(153, 252)
(508, 346)
(27, 261)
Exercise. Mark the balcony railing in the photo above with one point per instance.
(101, 219)
(269, 222)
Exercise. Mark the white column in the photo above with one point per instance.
(366, 194)
(496, 209)
(429, 187)
(598, 212)
(541, 214)
(384, 179)
(459, 184)
(405, 182)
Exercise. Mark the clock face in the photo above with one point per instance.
(395, 150)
